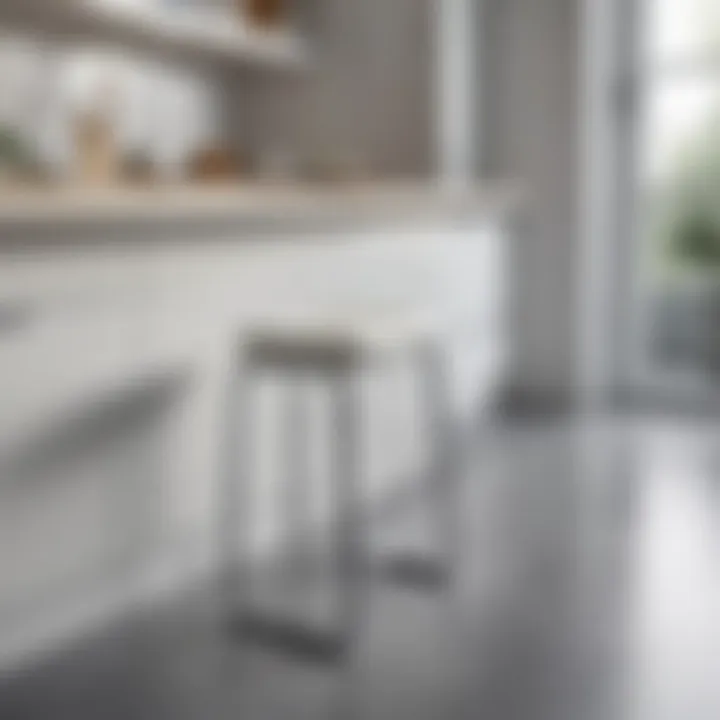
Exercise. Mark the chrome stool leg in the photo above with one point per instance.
(297, 503)
(235, 501)
(433, 569)
(289, 635)
(351, 530)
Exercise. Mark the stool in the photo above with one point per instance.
(336, 352)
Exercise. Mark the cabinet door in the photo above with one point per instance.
(72, 450)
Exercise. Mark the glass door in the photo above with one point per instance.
(673, 333)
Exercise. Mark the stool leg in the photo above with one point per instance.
(446, 456)
(433, 569)
(347, 482)
(292, 635)
(298, 491)
(235, 499)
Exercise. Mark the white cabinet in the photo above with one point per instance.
(104, 320)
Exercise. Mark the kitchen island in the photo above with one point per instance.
(276, 206)
(109, 293)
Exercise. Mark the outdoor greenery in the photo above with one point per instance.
(689, 218)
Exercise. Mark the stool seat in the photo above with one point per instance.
(338, 340)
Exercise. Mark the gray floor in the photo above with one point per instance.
(590, 589)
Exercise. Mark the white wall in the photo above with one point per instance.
(457, 86)
(532, 135)
(608, 150)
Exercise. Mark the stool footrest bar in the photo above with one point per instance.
(417, 571)
(292, 637)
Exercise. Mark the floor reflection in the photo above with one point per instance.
(676, 594)
(589, 590)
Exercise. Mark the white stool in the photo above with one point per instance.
(335, 351)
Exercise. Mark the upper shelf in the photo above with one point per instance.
(183, 33)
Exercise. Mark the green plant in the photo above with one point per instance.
(696, 239)
(13, 151)
(689, 214)
(18, 158)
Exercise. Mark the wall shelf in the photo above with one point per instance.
(181, 34)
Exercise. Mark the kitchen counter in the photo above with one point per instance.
(111, 285)
(30, 214)
(122, 315)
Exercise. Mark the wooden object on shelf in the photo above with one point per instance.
(213, 164)
(265, 13)
(97, 153)
(96, 149)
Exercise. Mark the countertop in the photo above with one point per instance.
(253, 204)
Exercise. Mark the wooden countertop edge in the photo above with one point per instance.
(277, 205)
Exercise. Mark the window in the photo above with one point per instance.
(676, 118)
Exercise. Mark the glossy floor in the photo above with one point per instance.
(590, 590)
